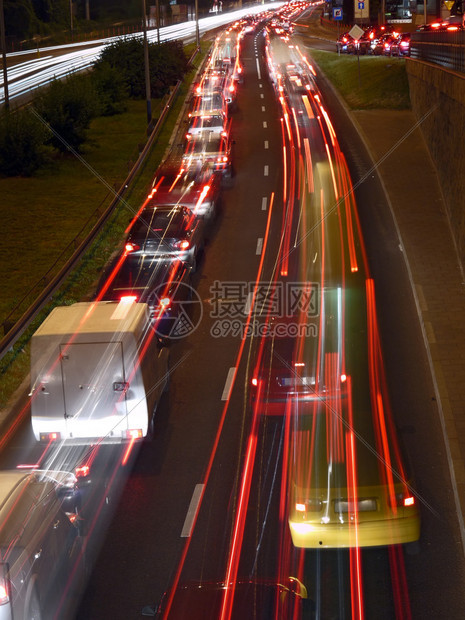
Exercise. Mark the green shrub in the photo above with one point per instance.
(167, 62)
(21, 143)
(111, 89)
(68, 106)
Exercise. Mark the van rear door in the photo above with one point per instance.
(94, 388)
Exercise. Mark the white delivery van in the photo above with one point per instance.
(97, 373)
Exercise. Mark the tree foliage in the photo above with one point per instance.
(21, 143)
(68, 106)
(167, 62)
(111, 88)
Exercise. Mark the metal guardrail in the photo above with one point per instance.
(443, 48)
(16, 330)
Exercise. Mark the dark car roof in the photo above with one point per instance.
(159, 222)
(140, 276)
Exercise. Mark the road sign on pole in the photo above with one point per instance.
(337, 13)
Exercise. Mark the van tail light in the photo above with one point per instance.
(4, 584)
(182, 245)
(128, 299)
(134, 433)
(165, 302)
(50, 437)
(131, 247)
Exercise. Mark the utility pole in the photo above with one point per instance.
(158, 21)
(71, 17)
(146, 65)
(3, 44)
(197, 33)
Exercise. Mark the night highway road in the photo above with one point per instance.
(208, 498)
(201, 437)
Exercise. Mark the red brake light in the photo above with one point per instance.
(182, 245)
(409, 501)
(131, 247)
(134, 433)
(165, 302)
(50, 436)
(128, 299)
(82, 472)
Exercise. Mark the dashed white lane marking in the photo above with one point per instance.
(258, 251)
(264, 201)
(265, 171)
(265, 144)
(228, 384)
(192, 511)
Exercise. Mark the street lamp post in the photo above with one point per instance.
(197, 33)
(146, 65)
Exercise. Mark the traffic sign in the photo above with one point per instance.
(356, 32)
(337, 13)
(361, 5)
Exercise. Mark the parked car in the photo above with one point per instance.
(41, 541)
(167, 232)
(163, 285)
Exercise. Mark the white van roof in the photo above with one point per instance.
(92, 317)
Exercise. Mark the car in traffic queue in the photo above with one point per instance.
(217, 79)
(167, 232)
(344, 43)
(401, 45)
(213, 150)
(197, 188)
(164, 285)
(41, 542)
(212, 121)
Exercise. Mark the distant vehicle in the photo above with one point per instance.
(258, 599)
(382, 45)
(167, 232)
(401, 45)
(41, 539)
(97, 373)
(213, 150)
(163, 285)
(212, 121)
(344, 43)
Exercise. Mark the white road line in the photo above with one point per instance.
(263, 108)
(260, 86)
(264, 201)
(248, 303)
(258, 69)
(262, 96)
(265, 144)
(228, 384)
(264, 125)
(258, 251)
(265, 171)
(192, 511)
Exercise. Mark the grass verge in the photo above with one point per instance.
(43, 214)
(366, 82)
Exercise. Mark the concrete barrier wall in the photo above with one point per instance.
(439, 96)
